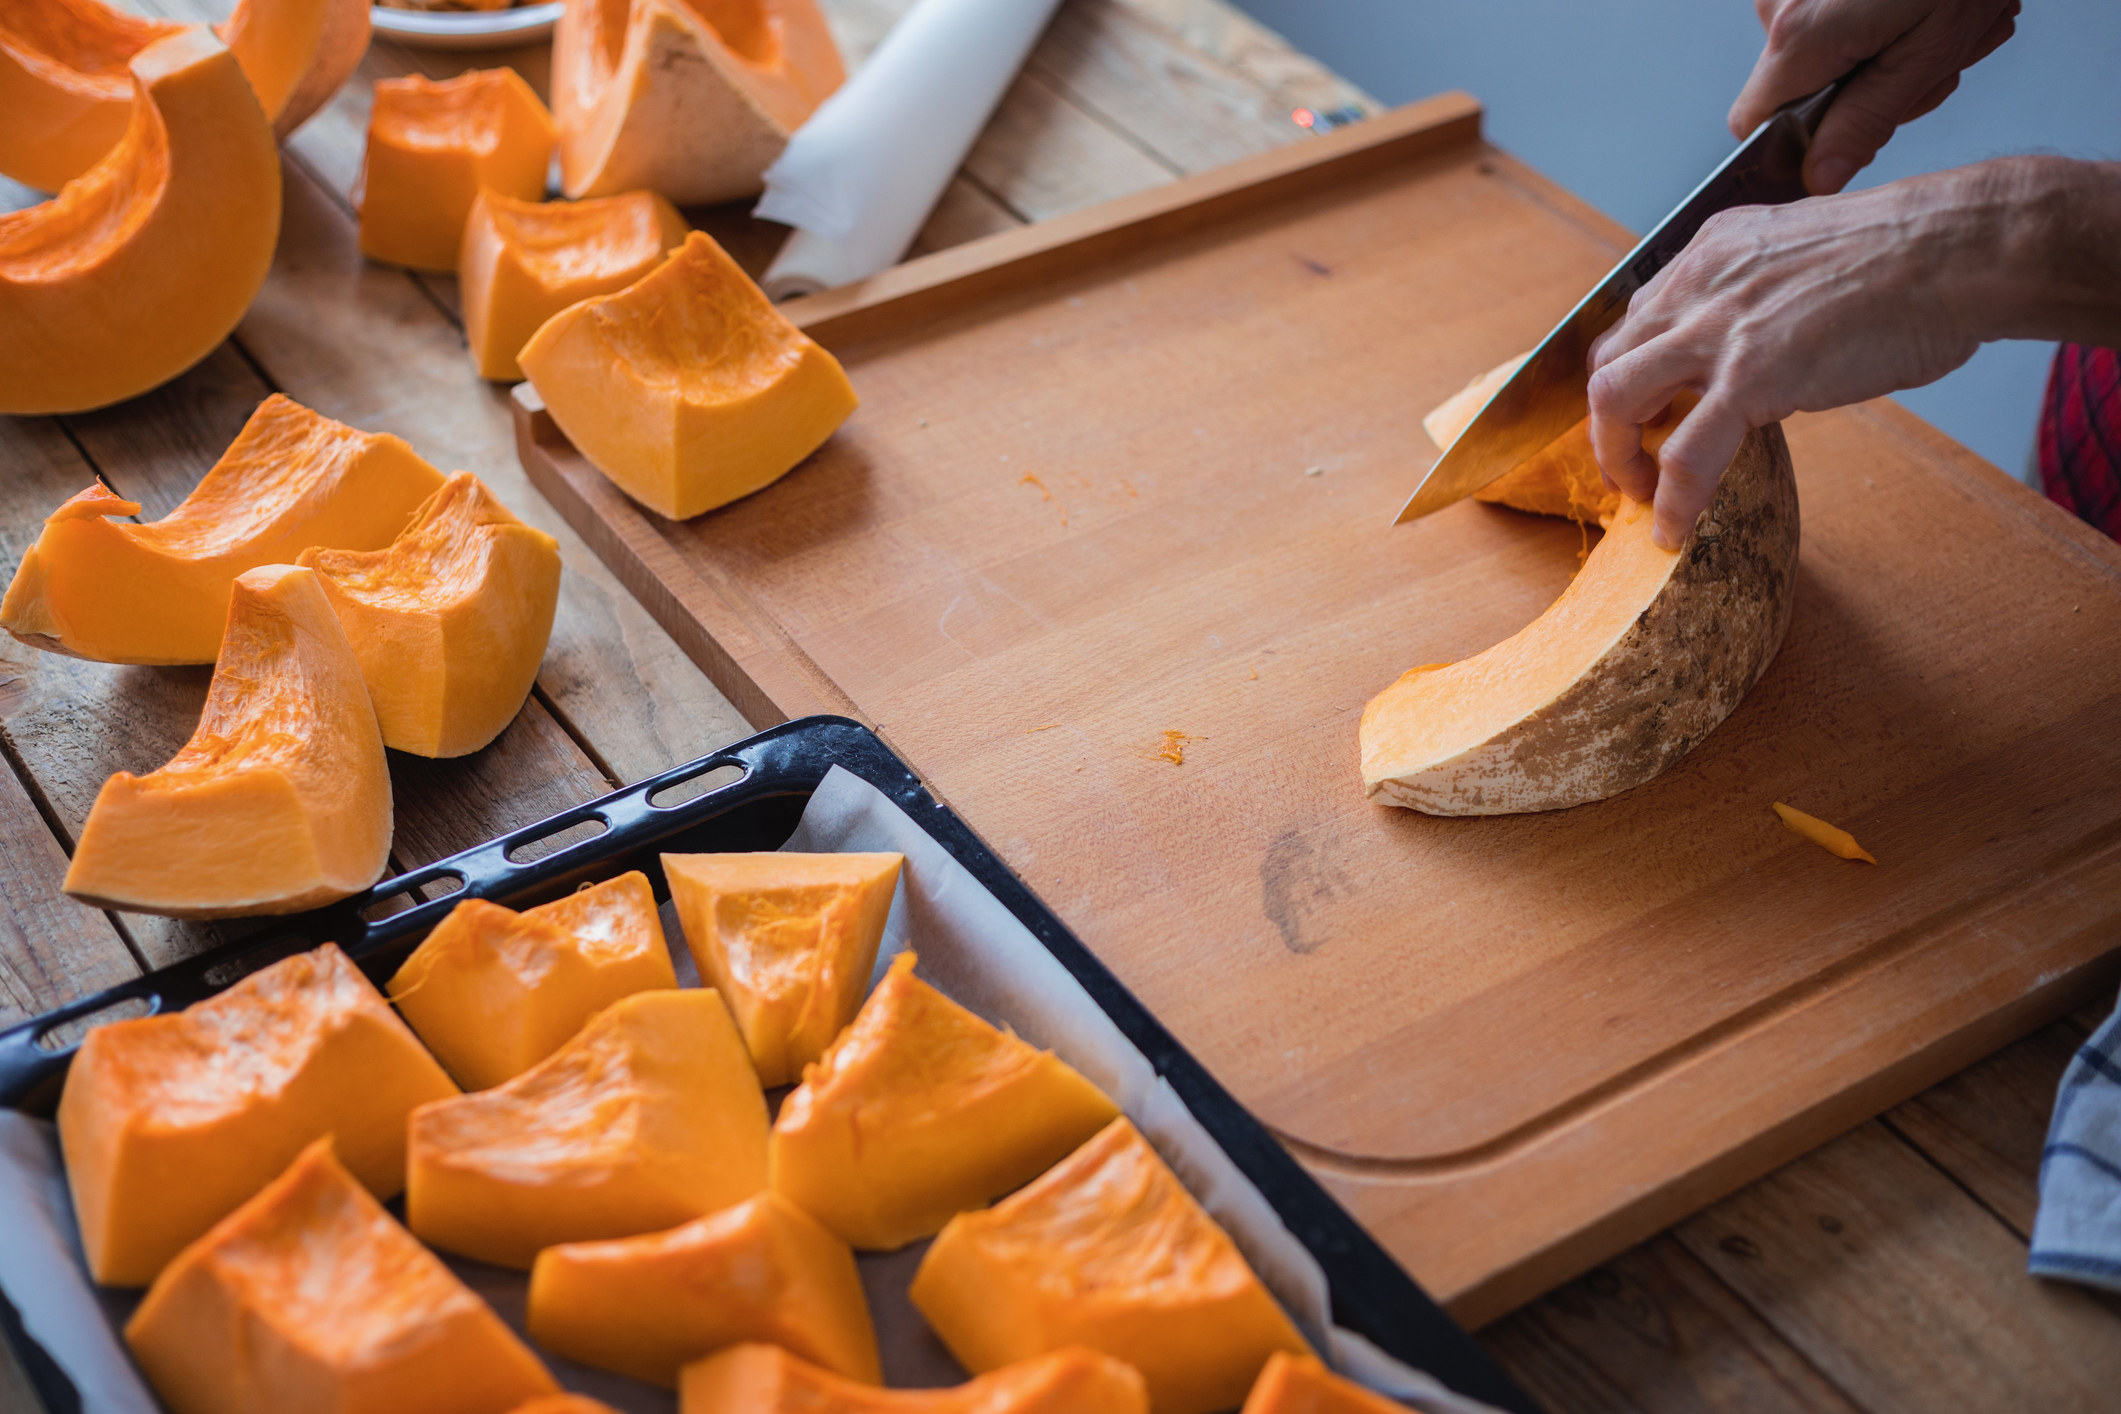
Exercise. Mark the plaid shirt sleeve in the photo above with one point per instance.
(2080, 435)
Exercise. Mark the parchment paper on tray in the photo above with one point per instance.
(971, 947)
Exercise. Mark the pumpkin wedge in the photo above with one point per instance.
(1639, 659)
(64, 84)
(789, 940)
(694, 100)
(688, 388)
(1301, 1384)
(450, 620)
(310, 1296)
(144, 262)
(921, 1110)
(522, 262)
(169, 1122)
(432, 145)
(649, 1118)
(95, 586)
(297, 53)
(764, 1379)
(493, 992)
(761, 1271)
(280, 801)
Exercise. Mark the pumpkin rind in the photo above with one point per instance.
(431, 146)
(764, 1379)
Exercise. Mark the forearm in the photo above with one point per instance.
(2046, 262)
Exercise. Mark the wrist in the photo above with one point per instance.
(2048, 252)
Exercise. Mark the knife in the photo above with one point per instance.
(1547, 395)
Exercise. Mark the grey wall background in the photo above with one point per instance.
(1623, 102)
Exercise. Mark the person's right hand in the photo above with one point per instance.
(1912, 52)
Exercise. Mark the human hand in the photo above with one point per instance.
(1912, 52)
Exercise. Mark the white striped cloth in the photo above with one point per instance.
(2077, 1234)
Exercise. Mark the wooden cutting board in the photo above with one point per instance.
(1107, 555)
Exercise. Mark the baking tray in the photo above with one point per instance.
(751, 796)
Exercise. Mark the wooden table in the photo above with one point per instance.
(1883, 1271)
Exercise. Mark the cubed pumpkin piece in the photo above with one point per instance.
(94, 586)
(789, 940)
(280, 802)
(450, 620)
(432, 145)
(921, 1110)
(311, 1297)
(761, 1271)
(1108, 1250)
(649, 1118)
(169, 1122)
(1301, 1384)
(765, 1379)
(688, 388)
(493, 992)
(64, 85)
(525, 261)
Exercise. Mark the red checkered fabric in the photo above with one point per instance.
(2080, 435)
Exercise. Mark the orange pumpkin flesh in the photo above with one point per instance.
(432, 146)
(310, 1296)
(297, 53)
(688, 388)
(493, 992)
(450, 620)
(760, 1271)
(919, 1111)
(764, 1379)
(691, 98)
(280, 801)
(64, 85)
(143, 263)
(101, 588)
(169, 1122)
(650, 1117)
(524, 261)
(1107, 1250)
(1301, 1384)
(564, 1404)
(789, 940)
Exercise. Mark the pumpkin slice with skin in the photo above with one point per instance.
(1301, 1384)
(761, 1271)
(97, 587)
(169, 1122)
(310, 1296)
(432, 145)
(144, 262)
(297, 53)
(280, 802)
(789, 940)
(921, 1110)
(1108, 1250)
(649, 1118)
(64, 84)
(688, 388)
(524, 261)
(691, 98)
(1637, 661)
(764, 1379)
(493, 992)
(450, 620)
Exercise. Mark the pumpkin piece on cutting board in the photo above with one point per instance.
(921, 1110)
(493, 992)
(144, 262)
(646, 1306)
(764, 1379)
(688, 388)
(450, 620)
(280, 802)
(169, 1122)
(1301, 1384)
(691, 98)
(789, 940)
(64, 84)
(1107, 1249)
(97, 587)
(432, 144)
(522, 262)
(311, 1297)
(650, 1117)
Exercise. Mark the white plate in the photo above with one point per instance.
(466, 29)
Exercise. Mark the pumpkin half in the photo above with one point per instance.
(143, 263)
(280, 801)
(765, 1379)
(432, 144)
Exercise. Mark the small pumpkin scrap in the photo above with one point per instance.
(432, 145)
(1831, 838)
(687, 388)
(310, 1296)
(564, 1404)
(450, 620)
(765, 1379)
(1301, 1384)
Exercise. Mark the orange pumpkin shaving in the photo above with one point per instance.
(1828, 837)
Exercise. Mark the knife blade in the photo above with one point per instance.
(1547, 395)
